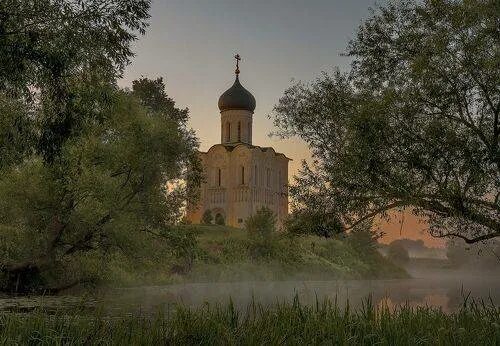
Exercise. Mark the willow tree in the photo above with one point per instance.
(61, 56)
(115, 183)
(413, 124)
(85, 167)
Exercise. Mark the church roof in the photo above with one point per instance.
(231, 147)
(237, 97)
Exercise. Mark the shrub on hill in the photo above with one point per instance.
(207, 217)
(398, 253)
(261, 230)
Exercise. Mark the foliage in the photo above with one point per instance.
(414, 124)
(230, 254)
(261, 229)
(256, 324)
(306, 221)
(153, 95)
(411, 244)
(85, 167)
(113, 179)
(363, 240)
(485, 256)
(262, 224)
(397, 253)
(207, 217)
(61, 56)
(194, 253)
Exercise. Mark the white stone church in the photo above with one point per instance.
(240, 177)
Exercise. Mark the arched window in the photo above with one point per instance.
(219, 175)
(228, 132)
(242, 175)
(249, 133)
(239, 131)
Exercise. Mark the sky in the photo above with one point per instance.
(192, 43)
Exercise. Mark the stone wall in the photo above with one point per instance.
(241, 179)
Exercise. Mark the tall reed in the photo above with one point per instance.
(287, 323)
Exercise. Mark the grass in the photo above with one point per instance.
(224, 254)
(285, 323)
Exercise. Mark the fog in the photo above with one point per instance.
(443, 288)
(446, 289)
(434, 281)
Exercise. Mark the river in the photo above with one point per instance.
(443, 289)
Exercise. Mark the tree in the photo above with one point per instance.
(84, 166)
(207, 217)
(363, 240)
(457, 254)
(414, 124)
(119, 177)
(62, 56)
(262, 223)
(261, 229)
(398, 253)
(484, 256)
(313, 222)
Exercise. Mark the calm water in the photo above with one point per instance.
(446, 291)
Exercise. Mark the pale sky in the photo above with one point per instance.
(191, 44)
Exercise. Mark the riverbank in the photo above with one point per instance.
(202, 253)
(225, 254)
(287, 323)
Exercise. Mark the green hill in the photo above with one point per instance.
(224, 253)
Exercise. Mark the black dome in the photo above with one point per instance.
(237, 97)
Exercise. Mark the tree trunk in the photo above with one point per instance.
(22, 278)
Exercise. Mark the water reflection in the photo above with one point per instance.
(447, 293)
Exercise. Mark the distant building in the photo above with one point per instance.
(240, 177)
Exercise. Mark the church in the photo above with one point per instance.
(240, 177)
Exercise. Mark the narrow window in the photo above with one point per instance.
(219, 177)
(249, 135)
(242, 175)
(268, 177)
(228, 132)
(239, 131)
(255, 179)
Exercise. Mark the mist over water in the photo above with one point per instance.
(443, 288)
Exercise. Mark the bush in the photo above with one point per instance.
(311, 222)
(207, 217)
(261, 229)
(398, 253)
(363, 241)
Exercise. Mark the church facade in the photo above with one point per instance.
(240, 177)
